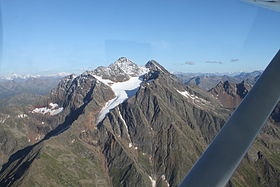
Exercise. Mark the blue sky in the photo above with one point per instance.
(49, 36)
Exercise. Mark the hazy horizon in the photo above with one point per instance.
(47, 37)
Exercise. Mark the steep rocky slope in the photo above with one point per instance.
(30, 85)
(262, 161)
(148, 134)
(230, 94)
(209, 81)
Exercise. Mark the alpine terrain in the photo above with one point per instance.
(127, 125)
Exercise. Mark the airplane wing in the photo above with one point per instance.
(271, 4)
(223, 155)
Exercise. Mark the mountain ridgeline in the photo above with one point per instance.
(127, 125)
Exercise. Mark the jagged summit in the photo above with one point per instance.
(230, 94)
(155, 66)
(123, 60)
(128, 67)
(145, 131)
(121, 70)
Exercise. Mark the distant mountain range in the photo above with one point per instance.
(15, 76)
(127, 125)
(39, 85)
(208, 81)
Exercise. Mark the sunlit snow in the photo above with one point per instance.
(53, 105)
(194, 98)
(123, 91)
(52, 111)
(3, 120)
(164, 179)
(104, 81)
(154, 182)
(124, 124)
(22, 116)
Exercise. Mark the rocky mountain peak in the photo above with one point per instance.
(230, 94)
(242, 89)
(120, 71)
(123, 63)
(224, 86)
(128, 67)
(146, 131)
(123, 60)
(155, 66)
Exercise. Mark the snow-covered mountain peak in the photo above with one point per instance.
(155, 66)
(123, 60)
(128, 67)
(15, 76)
(120, 71)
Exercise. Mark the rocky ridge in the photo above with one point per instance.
(151, 137)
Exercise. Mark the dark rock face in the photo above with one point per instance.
(209, 81)
(149, 134)
(230, 94)
(265, 171)
(74, 91)
(7, 143)
(242, 89)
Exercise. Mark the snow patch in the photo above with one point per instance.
(104, 81)
(38, 137)
(153, 181)
(186, 94)
(45, 110)
(54, 110)
(3, 120)
(164, 179)
(53, 105)
(193, 98)
(124, 124)
(22, 116)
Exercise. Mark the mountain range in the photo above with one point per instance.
(38, 85)
(208, 81)
(127, 125)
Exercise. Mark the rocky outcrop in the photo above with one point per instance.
(152, 138)
(230, 94)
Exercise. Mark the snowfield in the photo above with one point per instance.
(123, 91)
(104, 81)
(54, 110)
(22, 116)
(195, 100)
